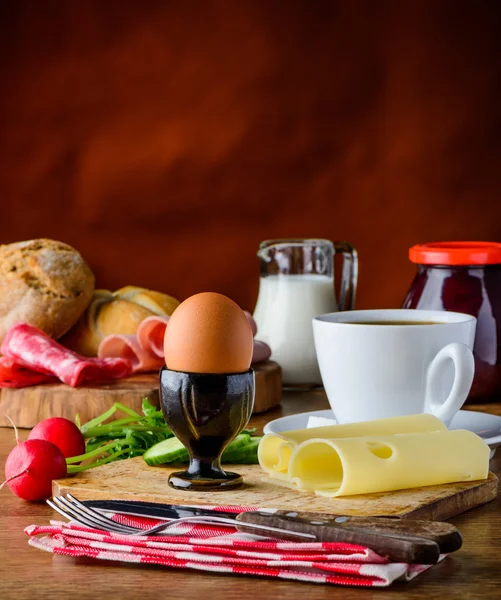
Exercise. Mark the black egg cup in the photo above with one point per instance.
(206, 411)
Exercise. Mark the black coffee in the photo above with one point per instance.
(393, 322)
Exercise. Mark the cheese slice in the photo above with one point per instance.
(366, 465)
(275, 450)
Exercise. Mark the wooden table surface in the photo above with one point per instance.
(27, 573)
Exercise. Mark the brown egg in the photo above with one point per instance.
(208, 333)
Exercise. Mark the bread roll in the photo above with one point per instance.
(156, 302)
(83, 337)
(45, 283)
(118, 312)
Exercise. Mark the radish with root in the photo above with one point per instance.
(30, 468)
(61, 432)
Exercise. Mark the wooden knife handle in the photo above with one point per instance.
(394, 546)
(445, 535)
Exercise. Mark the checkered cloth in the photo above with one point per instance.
(222, 549)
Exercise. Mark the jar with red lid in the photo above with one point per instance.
(465, 277)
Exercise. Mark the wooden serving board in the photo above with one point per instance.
(133, 480)
(28, 406)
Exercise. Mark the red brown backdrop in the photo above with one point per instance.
(165, 139)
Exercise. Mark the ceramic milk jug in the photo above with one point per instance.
(297, 284)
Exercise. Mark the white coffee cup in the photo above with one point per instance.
(372, 371)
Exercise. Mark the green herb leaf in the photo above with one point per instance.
(129, 436)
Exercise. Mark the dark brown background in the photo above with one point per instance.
(165, 139)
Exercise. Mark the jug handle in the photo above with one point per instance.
(349, 279)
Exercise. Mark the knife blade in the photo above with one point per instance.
(399, 540)
(156, 510)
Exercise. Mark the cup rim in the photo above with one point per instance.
(440, 317)
(164, 369)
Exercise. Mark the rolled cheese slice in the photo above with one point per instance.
(275, 450)
(366, 465)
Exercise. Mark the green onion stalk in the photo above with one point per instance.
(120, 439)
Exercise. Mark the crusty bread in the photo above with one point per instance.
(116, 312)
(45, 283)
(83, 337)
(158, 303)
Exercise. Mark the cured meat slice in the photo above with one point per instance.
(128, 347)
(15, 375)
(252, 323)
(145, 350)
(36, 350)
(261, 352)
(151, 333)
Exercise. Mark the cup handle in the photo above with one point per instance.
(349, 275)
(464, 366)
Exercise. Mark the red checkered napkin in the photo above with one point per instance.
(222, 549)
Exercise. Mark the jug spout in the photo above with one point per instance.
(264, 254)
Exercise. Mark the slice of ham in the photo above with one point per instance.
(34, 349)
(261, 352)
(150, 335)
(252, 323)
(16, 375)
(128, 347)
(145, 350)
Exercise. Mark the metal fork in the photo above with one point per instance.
(73, 509)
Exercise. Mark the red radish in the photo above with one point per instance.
(61, 432)
(30, 468)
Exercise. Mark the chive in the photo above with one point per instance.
(98, 420)
(98, 463)
(109, 413)
(98, 451)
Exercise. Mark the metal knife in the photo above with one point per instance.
(399, 540)
(156, 510)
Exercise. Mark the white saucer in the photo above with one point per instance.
(487, 426)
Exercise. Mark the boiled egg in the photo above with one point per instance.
(208, 333)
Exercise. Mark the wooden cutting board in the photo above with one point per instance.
(133, 480)
(28, 406)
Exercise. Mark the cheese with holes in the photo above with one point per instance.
(275, 450)
(366, 465)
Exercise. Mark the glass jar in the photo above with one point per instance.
(465, 277)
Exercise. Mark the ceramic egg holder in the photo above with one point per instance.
(206, 411)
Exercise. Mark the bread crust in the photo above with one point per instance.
(45, 283)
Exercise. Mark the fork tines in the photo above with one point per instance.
(73, 509)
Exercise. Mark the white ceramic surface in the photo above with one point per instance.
(377, 371)
(487, 426)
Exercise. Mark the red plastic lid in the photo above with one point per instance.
(456, 253)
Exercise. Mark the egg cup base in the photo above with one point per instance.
(182, 480)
